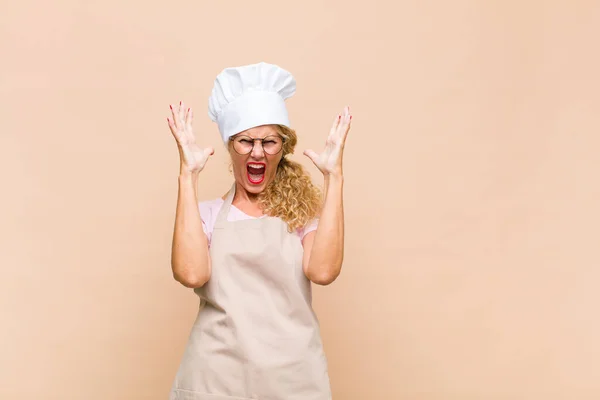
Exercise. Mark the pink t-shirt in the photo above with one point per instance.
(209, 210)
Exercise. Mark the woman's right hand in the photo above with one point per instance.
(193, 158)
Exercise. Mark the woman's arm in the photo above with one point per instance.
(324, 248)
(190, 260)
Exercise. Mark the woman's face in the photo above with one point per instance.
(255, 167)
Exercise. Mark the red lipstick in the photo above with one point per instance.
(256, 172)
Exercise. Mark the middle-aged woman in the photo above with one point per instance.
(251, 255)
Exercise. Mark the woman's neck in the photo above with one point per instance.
(247, 202)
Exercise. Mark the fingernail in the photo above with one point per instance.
(180, 102)
(189, 109)
(170, 106)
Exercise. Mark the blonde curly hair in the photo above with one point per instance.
(291, 196)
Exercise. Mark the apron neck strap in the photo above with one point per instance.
(224, 212)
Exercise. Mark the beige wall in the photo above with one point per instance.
(472, 189)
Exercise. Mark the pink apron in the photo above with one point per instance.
(256, 335)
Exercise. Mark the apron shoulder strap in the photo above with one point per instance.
(224, 211)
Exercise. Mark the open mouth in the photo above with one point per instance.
(256, 172)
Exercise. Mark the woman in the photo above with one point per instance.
(251, 256)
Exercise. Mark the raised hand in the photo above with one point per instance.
(192, 157)
(329, 162)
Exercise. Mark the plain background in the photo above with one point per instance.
(471, 189)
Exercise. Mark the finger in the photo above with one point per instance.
(345, 120)
(346, 116)
(189, 118)
(344, 113)
(339, 136)
(344, 132)
(174, 116)
(172, 128)
(343, 137)
(209, 151)
(336, 121)
(334, 126)
(312, 155)
(181, 113)
(344, 129)
(342, 121)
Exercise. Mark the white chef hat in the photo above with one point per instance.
(248, 96)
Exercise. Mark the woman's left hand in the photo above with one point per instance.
(329, 162)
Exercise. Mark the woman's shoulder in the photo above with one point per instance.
(210, 208)
(311, 226)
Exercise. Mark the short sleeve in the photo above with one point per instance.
(206, 209)
(310, 227)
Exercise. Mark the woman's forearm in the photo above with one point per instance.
(327, 251)
(190, 260)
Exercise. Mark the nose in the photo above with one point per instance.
(257, 150)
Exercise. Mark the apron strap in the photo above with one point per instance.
(224, 211)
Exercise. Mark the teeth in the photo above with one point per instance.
(256, 165)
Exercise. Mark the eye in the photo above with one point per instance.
(245, 141)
